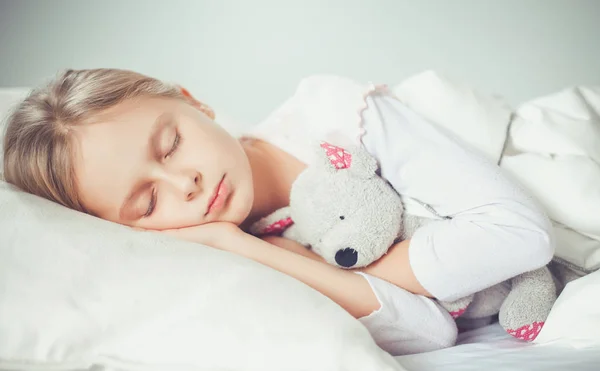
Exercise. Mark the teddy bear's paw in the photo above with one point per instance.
(528, 304)
(527, 332)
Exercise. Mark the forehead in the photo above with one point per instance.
(111, 152)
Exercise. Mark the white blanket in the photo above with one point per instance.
(551, 145)
(490, 348)
(569, 340)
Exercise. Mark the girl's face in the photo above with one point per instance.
(160, 163)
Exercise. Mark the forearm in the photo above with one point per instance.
(293, 246)
(402, 322)
(349, 290)
(395, 268)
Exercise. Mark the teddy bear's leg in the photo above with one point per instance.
(487, 302)
(528, 304)
(458, 307)
(562, 274)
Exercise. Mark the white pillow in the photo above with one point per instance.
(575, 317)
(77, 291)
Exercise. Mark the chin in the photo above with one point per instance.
(235, 218)
(240, 209)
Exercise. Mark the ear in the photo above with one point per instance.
(355, 160)
(206, 109)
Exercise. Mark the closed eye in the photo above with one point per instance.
(151, 205)
(174, 147)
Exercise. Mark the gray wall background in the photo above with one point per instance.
(246, 56)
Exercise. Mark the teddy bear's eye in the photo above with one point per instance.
(342, 217)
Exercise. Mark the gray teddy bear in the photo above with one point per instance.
(346, 213)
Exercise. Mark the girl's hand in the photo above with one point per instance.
(216, 234)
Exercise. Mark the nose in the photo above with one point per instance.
(193, 186)
(346, 257)
(187, 184)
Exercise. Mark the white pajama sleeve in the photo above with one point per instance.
(495, 231)
(407, 323)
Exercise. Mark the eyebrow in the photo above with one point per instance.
(160, 123)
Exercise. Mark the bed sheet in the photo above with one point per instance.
(490, 348)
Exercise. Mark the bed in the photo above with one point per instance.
(490, 348)
(113, 303)
(569, 340)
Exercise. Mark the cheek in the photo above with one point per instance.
(172, 212)
(213, 146)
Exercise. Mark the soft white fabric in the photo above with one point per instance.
(551, 148)
(476, 118)
(81, 291)
(77, 292)
(554, 150)
(575, 317)
(451, 258)
(490, 348)
(422, 164)
(495, 232)
(41, 343)
(422, 325)
(483, 123)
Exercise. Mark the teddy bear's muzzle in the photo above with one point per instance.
(346, 258)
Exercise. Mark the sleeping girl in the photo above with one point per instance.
(134, 150)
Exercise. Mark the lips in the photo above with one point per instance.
(217, 200)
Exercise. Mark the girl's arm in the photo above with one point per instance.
(403, 323)
(349, 290)
(393, 267)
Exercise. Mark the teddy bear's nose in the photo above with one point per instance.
(346, 257)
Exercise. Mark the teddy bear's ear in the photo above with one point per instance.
(355, 160)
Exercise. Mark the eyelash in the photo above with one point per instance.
(176, 143)
(152, 205)
(153, 198)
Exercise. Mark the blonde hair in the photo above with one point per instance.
(39, 140)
